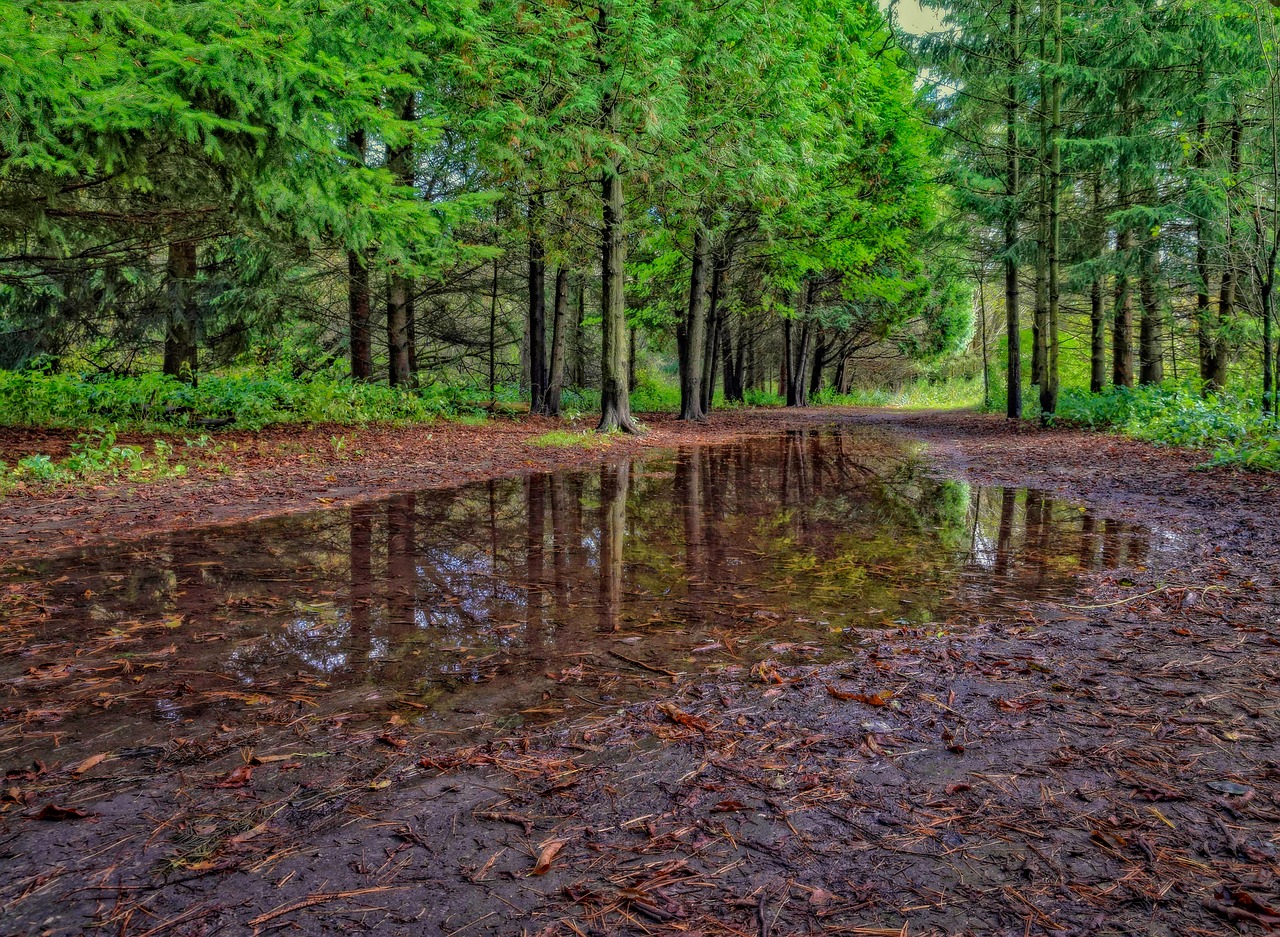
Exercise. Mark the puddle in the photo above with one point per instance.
(502, 602)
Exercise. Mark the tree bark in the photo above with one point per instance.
(180, 349)
(1013, 184)
(1217, 376)
(1049, 384)
(615, 390)
(361, 344)
(715, 325)
(537, 308)
(559, 326)
(1097, 310)
(692, 333)
(1150, 350)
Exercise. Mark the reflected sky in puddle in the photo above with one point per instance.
(523, 599)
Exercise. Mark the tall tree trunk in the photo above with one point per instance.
(1097, 310)
(1013, 185)
(1150, 343)
(615, 364)
(493, 336)
(798, 358)
(1049, 386)
(715, 326)
(398, 371)
(692, 333)
(399, 287)
(358, 317)
(1040, 319)
(819, 364)
(180, 349)
(1207, 326)
(1217, 377)
(537, 283)
(361, 343)
(1121, 323)
(579, 341)
(559, 326)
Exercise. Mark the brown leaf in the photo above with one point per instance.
(547, 855)
(54, 812)
(874, 699)
(960, 788)
(237, 778)
(88, 764)
(729, 806)
(397, 744)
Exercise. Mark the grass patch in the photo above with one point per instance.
(568, 439)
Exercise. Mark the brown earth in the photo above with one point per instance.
(1108, 766)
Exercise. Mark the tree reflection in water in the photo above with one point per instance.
(516, 598)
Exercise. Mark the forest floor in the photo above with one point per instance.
(1105, 767)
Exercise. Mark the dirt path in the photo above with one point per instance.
(1106, 767)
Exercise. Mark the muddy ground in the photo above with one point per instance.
(1107, 766)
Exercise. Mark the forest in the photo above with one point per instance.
(639, 467)
(704, 203)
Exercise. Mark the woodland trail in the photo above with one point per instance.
(1107, 765)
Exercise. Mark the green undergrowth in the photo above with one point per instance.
(569, 439)
(248, 399)
(921, 394)
(1230, 425)
(95, 460)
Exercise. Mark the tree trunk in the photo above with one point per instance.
(1217, 376)
(1013, 184)
(692, 333)
(819, 364)
(400, 288)
(715, 326)
(398, 370)
(180, 350)
(358, 317)
(798, 357)
(1049, 384)
(579, 344)
(493, 335)
(615, 390)
(1122, 320)
(537, 282)
(1097, 311)
(361, 344)
(1151, 352)
(560, 323)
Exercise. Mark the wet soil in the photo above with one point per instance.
(1101, 760)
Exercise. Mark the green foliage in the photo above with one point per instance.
(1226, 424)
(254, 399)
(94, 458)
(921, 394)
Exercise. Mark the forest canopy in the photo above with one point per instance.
(486, 193)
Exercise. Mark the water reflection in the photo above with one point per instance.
(525, 598)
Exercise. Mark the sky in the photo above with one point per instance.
(913, 18)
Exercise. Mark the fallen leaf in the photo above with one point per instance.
(54, 812)
(88, 764)
(547, 855)
(237, 778)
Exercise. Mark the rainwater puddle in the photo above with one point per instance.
(480, 608)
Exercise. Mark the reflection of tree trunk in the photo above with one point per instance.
(560, 543)
(361, 562)
(1008, 507)
(1089, 542)
(535, 491)
(613, 519)
(688, 485)
(401, 562)
(1112, 541)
